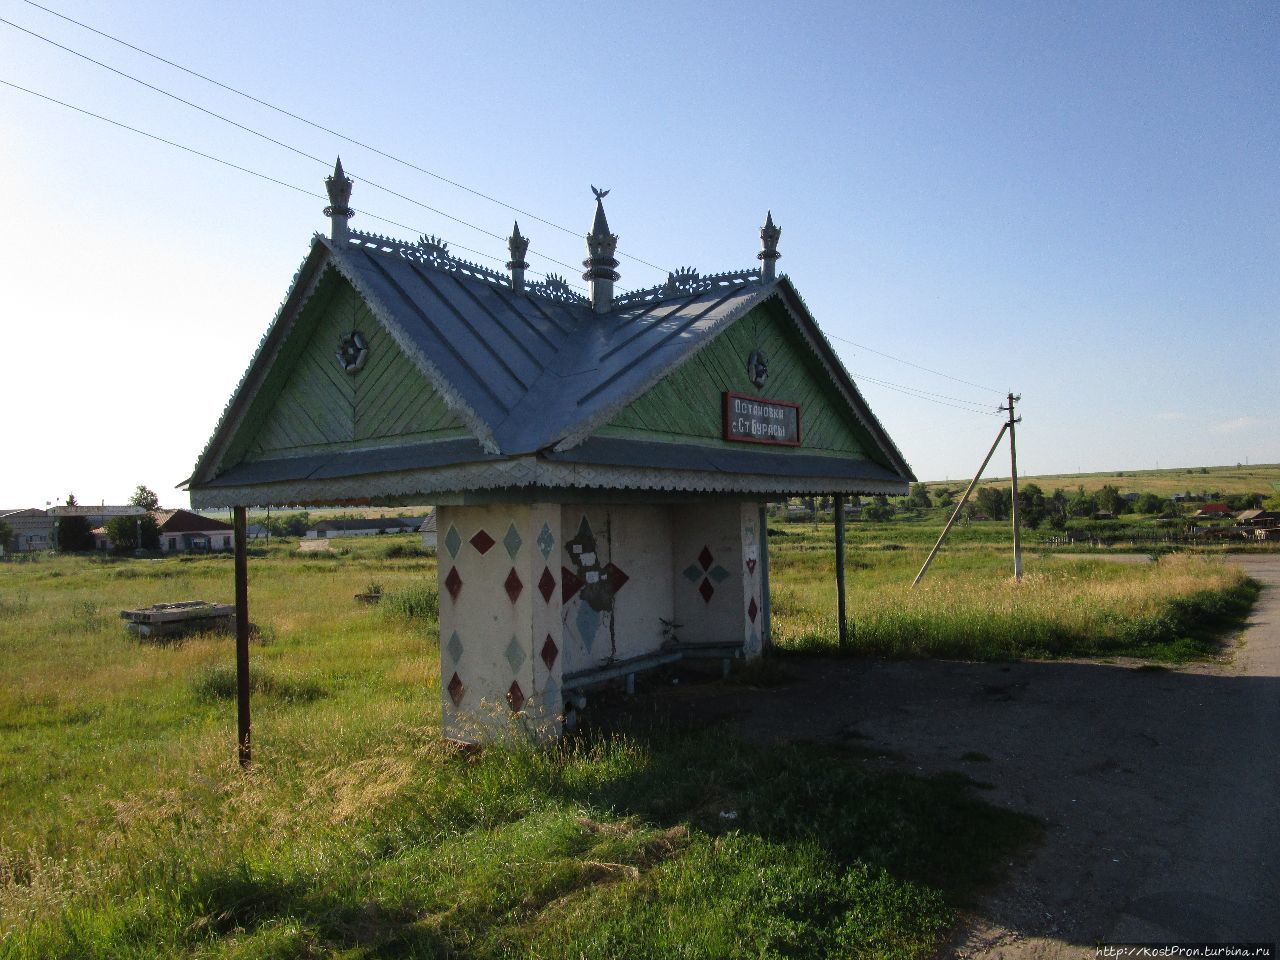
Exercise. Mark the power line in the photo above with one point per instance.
(242, 169)
(909, 363)
(272, 140)
(926, 395)
(372, 183)
(331, 132)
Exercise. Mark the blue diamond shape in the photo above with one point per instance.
(454, 647)
(546, 541)
(512, 541)
(551, 697)
(718, 573)
(588, 624)
(515, 655)
(452, 542)
(693, 573)
(753, 642)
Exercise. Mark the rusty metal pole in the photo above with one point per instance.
(242, 636)
(840, 603)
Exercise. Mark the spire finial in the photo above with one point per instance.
(339, 211)
(768, 255)
(600, 262)
(518, 246)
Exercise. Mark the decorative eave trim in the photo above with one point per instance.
(606, 415)
(301, 288)
(531, 473)
(818, 342)
(452, 399)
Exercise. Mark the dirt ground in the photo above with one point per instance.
(1159, 788)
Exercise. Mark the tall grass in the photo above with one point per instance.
(972, 608)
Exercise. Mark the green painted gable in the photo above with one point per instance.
(309, 404)
(685, 406)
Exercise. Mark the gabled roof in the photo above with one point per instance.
(530, 374)
(187, 521)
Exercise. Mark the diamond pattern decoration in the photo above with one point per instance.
(615, 576)
(515, 655)
(718, 573)
(693, 573)
(513, 585)
(482, 542)
(706, 559)
(453, 583)
(454, 647)
(706, 589)
(549, 652)
(546, 541)
(512, 541)
(547, 584)
(751, 564)
(551, 697)
(453, 542)
(570, 584)
(752, 610)
(588, 622)
(515, 696)
(457, 690)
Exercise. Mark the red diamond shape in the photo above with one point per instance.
(752, 609)
(549, 652)
(513, 585)
(515, 696)
(453, 583)
(547, 584)
(615, 577)
(457, 690)
(706, 559)
(706, 589)
(482, 542)
(570, 584)
(751, 565)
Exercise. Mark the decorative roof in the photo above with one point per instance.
(534, 372)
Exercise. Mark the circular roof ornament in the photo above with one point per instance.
(353, 351)
(758, 369)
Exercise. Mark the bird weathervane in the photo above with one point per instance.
(600, 194)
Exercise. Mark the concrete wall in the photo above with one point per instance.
(531, 593)
(718, 574)
(627, 549)
(500, 624)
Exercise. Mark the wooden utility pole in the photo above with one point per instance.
(838, 499)
(242, 635)
(959, 506)
(1013, 510)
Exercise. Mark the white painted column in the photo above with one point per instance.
(500, 626)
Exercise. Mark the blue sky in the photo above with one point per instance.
(1078, 202)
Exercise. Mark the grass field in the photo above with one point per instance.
(1261, 478)
(129, 831)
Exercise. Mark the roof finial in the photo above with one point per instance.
(600, 261)
(339, 210)
(768, 254)
(518, 246)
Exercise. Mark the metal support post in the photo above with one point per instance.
(242, 635)
(840, 599)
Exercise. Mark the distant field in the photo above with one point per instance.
(1256, 478)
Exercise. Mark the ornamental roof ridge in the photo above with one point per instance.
(686, 282)
(433, 251)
